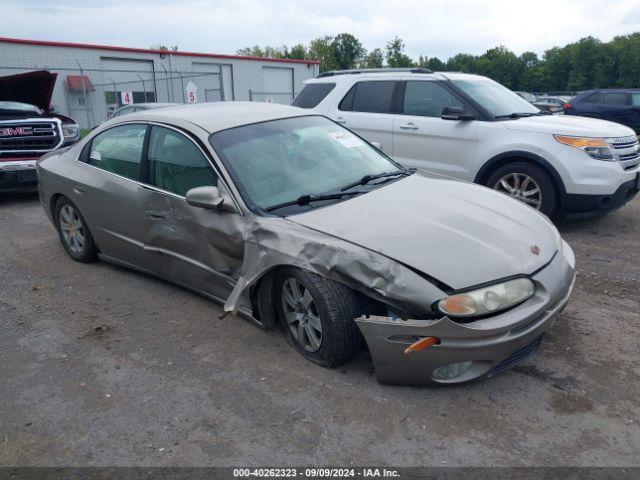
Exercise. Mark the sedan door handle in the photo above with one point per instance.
(154, 216)
(340, 120)
(408, 126)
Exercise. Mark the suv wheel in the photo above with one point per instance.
(318, 316)
(74, 233)
(527, 183)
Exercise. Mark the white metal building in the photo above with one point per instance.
(94, 80)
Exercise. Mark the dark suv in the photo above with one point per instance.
(619, 105)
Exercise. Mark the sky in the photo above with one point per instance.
(439, 28)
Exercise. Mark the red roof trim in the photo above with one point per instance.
(145, 50)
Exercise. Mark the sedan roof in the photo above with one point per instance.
(216, 116)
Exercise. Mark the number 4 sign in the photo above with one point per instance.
(192, 92)
(127, 98)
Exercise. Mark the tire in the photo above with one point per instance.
(74, 232)
(335, 308)
(506, 176)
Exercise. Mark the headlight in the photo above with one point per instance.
(597, 148)
(487, 300)
(71, 131)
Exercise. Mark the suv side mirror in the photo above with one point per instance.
(210, 198)
(456, 113)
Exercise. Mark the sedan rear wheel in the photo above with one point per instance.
(74, 233)
(318, 315)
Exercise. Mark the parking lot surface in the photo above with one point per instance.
(103, 366)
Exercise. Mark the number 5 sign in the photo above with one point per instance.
(192, 92)
(127, 98)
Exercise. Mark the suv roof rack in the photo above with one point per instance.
(332, 73)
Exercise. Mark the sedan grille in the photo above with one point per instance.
(25, 137)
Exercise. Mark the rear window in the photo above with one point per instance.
(312, 94)
(615, 99)
(372, 97)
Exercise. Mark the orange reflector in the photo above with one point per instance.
(421, 344)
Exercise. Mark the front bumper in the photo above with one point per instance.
(578, 206)
(492, 345)
(18, 174)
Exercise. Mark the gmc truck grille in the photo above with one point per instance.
(32, 137)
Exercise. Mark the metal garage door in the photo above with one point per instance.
(129, 75)
(214, 84)
(277, 85)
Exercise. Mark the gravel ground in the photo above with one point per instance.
(104, 366)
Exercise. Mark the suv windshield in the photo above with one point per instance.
(298, 159)
(499, 101)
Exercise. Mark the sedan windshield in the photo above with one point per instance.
(299, 160)
(499, 101)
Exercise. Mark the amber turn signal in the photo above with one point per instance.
(421, 344)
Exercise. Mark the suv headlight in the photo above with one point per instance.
(597, 148)
(71, 131)
(487, 300)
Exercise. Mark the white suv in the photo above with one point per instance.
(472, 128)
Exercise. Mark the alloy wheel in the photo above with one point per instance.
(72, 229)
(301, 315)
(521, 187)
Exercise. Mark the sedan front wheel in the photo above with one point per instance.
(318, 316)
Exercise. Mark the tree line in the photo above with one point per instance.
(585, 64)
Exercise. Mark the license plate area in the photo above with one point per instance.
(27, 176)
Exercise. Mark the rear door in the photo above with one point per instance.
(109, 193)
(369, 109)
(616, 106)
(424, 140)
(199, 248)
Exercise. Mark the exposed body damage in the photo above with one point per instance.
(277, 242)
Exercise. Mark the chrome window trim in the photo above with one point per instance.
(212, 164)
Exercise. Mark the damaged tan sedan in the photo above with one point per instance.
(292, 220)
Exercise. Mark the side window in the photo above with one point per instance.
(427, 99)
(635, 99)
(119, 150)
(312, 94)
(372, 97)
(593, 98)
(615, 99)
(176, 164)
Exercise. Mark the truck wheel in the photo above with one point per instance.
(318, 316)
(527, 183)
(74, 233)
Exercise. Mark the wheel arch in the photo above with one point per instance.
(262, 291)
(522, 156)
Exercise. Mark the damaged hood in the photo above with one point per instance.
(459, 233)
(34, 88)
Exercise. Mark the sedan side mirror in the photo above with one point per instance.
(456, 113)
(210, 198)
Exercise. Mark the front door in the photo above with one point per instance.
(426, 141)
(199, 248)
